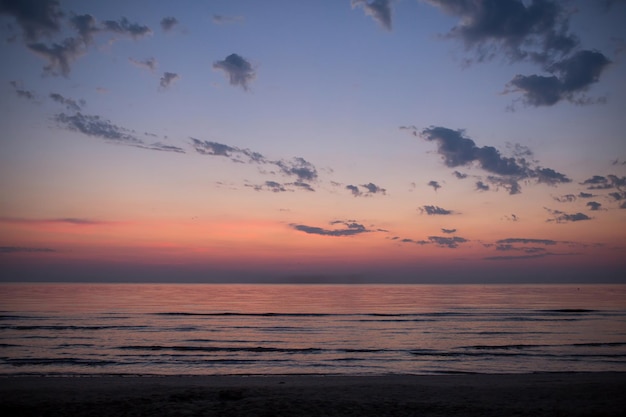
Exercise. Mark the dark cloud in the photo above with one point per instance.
(567, 198)
(512, 258)
(374, 189)
(456, 149)
(354, 190)
(535, 30)
(58, 55)
(167, 79)
(150, 63)
(126, 28)
(168, 23)
(29, 95)
(617, 196)
(70, 104)
(525, 249)
(434, 184)
(36, 18)
(272, 186)
(434, 210)
(298, 167)
(97, 127)
(451, 242)
(481, 186)
(594, 205)
(379, 10)
(22, 249)
(585, 195)
(448, 231)
(86, 26)
(459, 175)
(240, 72)
(618, 162)
(350, 229)
(302, 185)
(570, 78)
(562, 217)
(599, 182)
(526, 241)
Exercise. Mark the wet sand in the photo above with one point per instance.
(547, 394)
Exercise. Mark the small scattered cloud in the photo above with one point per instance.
(167, 79)
(567, 198)
(239, 71)
(594, 205)
(124, 27)
(379, 10)
(511, 218)
(585, 195)
(70, 104)
(434, 184)
(599, 182)
(95, 126)
(298, 167)
(481, 186)
(370, 190)
(448, 231)
(562, 217)
(149, 64)
(350, 228)
(526, 241)
(435, 211)
(59, 55)
(168, 23)
(451, 242)
(28, 95)
(459, 175)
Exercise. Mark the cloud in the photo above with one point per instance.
(456, 149)
(481, 186)
(567, 198)
(435, 210)
(167, 79)
(571, 78)
(149, 64)
(512, 258)
(537, 29)
(585, 195)
(36, 18)
(240, 72)
(434, 184)
(298, 167)
(22, 249)
(70, 104)
(92, 125)
(168, 23)
(617, 196)
(86, 26)
(126, 28)
(459, 175)
(379, 10)
(562, 217)
(28, 95)
(512, 217)
(58, 55)
(448, 231)
(78, 221)
(451, 242)
(526, 241)
(594, 205)
(370, 188)
(599, 182)
(351, 228)
(269, 186)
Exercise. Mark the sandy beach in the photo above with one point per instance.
(548, 394)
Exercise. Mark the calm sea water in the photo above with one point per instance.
(196, 329)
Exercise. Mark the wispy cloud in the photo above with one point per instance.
(369, 190)
(70, 104)
(434, 184)
(77, 221)
(379, 10)
(168, 23)
(350, 228)
(562, 217)
(95, 126)
(434, 211)
(239, 71)
(167, 79)
(28, 95)
(451, 242)
(222, 20)
(149, 64)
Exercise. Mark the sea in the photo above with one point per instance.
(264, 329)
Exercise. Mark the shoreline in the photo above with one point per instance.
(534, 394)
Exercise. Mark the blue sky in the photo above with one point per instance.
(384, 140)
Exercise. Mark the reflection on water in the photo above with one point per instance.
(357, 329)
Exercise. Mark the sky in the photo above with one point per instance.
(435, 141)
